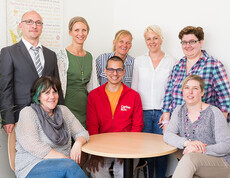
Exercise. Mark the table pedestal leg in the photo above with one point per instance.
(128, 168)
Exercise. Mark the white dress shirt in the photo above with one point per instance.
(151, 83)
(41, 56)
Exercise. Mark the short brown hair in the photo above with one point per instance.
(196, 78)
(197, 31)
(78, 19)
(120, 34)
(42, 84)
(115, 58)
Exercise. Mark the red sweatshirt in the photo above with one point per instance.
(128, 116)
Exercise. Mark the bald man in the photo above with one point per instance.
(20, 65)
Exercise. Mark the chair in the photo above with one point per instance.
(178, 154)
(140, 165)
(11, 148)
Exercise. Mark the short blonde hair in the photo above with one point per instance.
(154, 28)
(78, 19)
(196, 78)
(120, 34)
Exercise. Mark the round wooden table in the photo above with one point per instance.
(128, 145)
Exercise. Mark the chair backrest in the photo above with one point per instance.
(11, 148)
(178, 154)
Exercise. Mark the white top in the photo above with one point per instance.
(41, 56)
(151, 83)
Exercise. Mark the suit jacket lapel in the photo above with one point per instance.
(27, 56)
(46, 58)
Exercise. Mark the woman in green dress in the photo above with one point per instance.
(75, 69)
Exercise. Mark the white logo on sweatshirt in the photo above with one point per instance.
(124, 108)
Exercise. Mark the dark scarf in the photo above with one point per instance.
(55, 128)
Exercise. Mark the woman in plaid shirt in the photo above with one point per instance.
(199, 62)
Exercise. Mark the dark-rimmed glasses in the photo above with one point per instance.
(31, 22)
(112, 70)
(191, 42)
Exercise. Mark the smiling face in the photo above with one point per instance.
(153, 41)
(49, 99)
(31, 32)
(192, 92)
(123, 45)
(79, 32)
(192, 51)
(114, 77)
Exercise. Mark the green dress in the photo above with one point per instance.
(78, 75)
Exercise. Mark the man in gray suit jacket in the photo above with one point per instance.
(18, 69)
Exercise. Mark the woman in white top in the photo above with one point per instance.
(150, 76)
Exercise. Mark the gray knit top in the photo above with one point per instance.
(33, 145)
(210, 129)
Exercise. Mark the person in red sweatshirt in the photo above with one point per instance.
(112, 107)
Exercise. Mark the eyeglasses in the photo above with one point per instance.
(112, 70)
(31, 22)
(192, 42)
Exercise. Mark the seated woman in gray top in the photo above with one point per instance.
(43, 136)
(201, 131)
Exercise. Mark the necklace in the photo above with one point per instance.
(191, 130)
(78, 55)
(81, 66)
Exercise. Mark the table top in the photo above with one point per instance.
(127, 145)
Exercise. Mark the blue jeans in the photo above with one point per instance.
(56, 168)
(151, 119)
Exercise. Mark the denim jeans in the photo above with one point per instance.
(56, 168)
(151, 119)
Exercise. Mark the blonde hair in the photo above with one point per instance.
(78, 19)
(120, 34)
(196, 78)
(154, 28)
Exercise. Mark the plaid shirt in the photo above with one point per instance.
(217, 87)
(101, 64)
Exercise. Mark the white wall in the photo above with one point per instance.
(172, 16)
(3, 23)
(5, 170)
(99, 15)
(106, 17)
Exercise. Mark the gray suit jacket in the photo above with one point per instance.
(18, 74)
